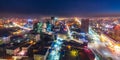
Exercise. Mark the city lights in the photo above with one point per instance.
(60, 30)
(74, 53)
(63, 38)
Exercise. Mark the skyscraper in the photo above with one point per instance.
(53, 19)
(85, 25)
(37, 27)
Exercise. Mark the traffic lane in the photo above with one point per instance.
(107, 53)
(102, 50)
(54, 53)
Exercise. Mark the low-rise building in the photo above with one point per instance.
(12, 50)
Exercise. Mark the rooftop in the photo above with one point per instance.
(42, 52)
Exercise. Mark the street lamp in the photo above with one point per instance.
(74, 53)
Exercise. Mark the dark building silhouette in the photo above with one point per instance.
(85, 25)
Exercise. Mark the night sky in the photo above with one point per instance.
(61, 7)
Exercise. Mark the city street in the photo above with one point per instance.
(101, 47)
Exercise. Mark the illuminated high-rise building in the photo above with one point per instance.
(37, 27)
(53, 20)
(49, 26)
